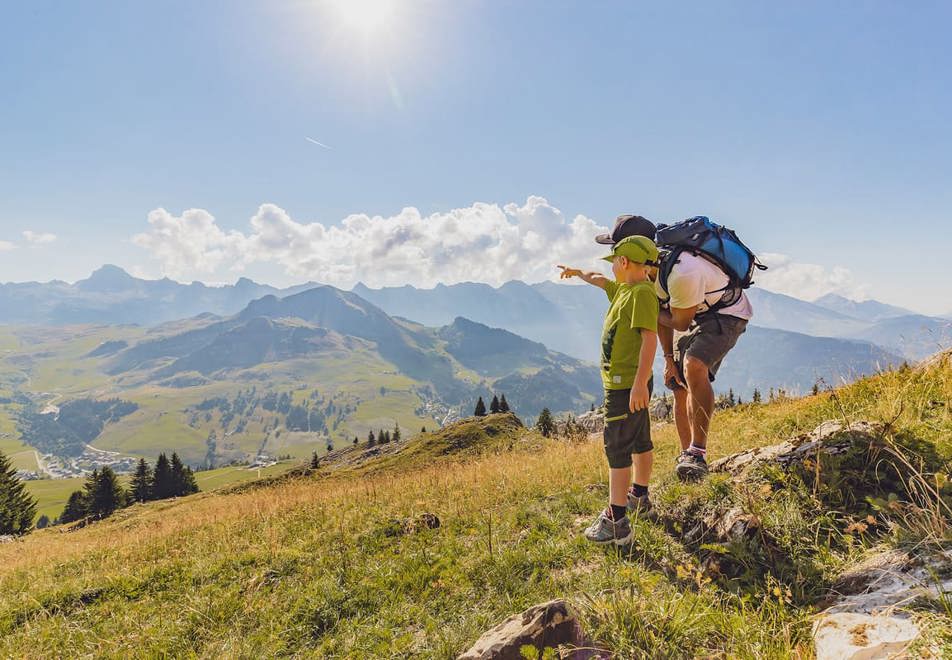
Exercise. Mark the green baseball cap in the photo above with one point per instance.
(639, 249)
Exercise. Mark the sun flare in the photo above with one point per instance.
(365, 16)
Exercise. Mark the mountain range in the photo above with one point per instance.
(859, 337)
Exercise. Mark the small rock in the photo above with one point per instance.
(422, 521)
(853, 636)
(547, 625)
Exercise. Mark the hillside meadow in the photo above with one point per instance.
(316, 566)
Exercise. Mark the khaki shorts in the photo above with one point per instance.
(709, 341)
(626, 432)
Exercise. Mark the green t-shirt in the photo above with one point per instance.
(633, 307)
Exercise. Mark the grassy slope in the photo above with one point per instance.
(308, 567)
(60, 367)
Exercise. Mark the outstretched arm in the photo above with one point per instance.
(593, 278)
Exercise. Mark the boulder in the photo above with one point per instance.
(854, 636)
(593, 421)
(829, 438)
(548, 625)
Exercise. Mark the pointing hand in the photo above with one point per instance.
(569, 272)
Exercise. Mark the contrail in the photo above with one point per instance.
(320, 144)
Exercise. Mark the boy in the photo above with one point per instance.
(629, 340)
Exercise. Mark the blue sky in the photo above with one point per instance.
(818, 130)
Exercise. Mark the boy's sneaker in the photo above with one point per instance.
(640, 506)
(605, 530)
(691, 467)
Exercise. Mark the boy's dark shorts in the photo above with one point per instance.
(709, 341)
(626, 432)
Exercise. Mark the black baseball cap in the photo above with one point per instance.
(625, 226)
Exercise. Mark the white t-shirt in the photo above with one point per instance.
(696, 281)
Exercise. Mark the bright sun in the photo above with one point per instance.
(365, 16)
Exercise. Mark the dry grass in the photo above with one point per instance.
(308, 568)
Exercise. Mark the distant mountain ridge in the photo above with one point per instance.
(867, 310)
(559, 316)
(112, 296)
(324, 318)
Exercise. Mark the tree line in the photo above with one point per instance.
(102, 494)
(497, 405)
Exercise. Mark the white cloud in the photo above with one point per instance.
(807, 281)
(191, 243)
(6, 246)
(38, 238)
(483, 242)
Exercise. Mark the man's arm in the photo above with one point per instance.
(666, 337)
(677, 318)
(593, 278)
(639, 390)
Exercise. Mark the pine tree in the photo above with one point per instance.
(816, 388)
(545, 424)
(162, 484)
(17, 506)
(772, 395)
(103, 493)
(43, 522)
(140, 489)
(180, 485)
(730, 397)
(356, 440)
(76, 508)
(592, 409)
(315, 461)
(480, 408)
(371, 440)
(396, 432)
(330, 445)
(494, 405)
(423, 429)
(383, 437)
(756, 398)
(191, 486)
(503, 404)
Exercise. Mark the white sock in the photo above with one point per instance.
(698, 451)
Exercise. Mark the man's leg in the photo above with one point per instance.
(682, 420)
(700, 402)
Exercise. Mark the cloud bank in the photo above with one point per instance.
(6, 246)
(484, 242)
(807, 281)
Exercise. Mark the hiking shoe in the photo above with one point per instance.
(605, 530)
(639, 506)
(691, 467)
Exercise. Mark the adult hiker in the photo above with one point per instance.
(704, 271)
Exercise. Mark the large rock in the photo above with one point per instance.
(592, 421)
(829, 438)
(854, 636)
(548, 625)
